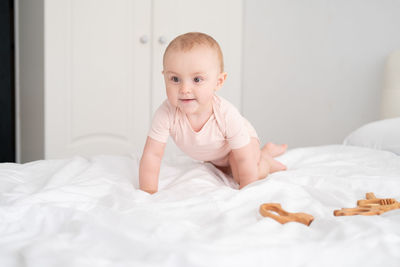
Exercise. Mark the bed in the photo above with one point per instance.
(88, 211)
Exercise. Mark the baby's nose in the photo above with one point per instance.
(185, 88)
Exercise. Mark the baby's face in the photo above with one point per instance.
(192, 77)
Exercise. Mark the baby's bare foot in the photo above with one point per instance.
(274, 150)
(276, 166)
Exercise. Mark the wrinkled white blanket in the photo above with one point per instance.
(87, 212)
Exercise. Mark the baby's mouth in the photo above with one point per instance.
(187, 100)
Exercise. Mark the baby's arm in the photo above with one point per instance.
(245, 163)
(150, 165)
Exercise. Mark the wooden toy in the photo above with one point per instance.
(369, 206)
(284, 216)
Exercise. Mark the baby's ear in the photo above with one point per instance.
(221, 80)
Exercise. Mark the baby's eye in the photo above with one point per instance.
(197, 79)
(174, 79)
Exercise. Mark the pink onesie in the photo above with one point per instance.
(225, 130)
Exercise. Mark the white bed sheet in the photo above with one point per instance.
(87, 212)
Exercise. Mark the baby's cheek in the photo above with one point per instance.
(172, 97)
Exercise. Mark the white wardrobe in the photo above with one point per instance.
(90, 70)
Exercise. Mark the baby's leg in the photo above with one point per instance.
(263, 165)
(266, 163)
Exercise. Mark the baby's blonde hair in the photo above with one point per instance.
(187, 41)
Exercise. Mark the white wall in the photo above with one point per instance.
(313, 70)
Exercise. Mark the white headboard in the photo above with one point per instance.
(391, 90)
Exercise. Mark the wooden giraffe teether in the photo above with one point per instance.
(369, 206)
(284, 216)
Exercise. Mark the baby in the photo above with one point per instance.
(203, 125)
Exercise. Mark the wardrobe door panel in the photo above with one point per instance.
(96, 74)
